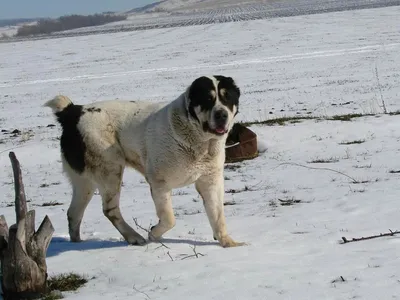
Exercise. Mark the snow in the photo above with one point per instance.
(8, 31)
(319, 65)
(182, 13)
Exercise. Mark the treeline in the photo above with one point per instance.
(13, 22)
(46, 26)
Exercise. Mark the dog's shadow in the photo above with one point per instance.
(167, 241)
(60, 245)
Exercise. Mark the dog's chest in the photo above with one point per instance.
(194, 163)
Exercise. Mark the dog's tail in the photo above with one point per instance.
(58, 103)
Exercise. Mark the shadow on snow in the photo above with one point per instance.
(60, 245)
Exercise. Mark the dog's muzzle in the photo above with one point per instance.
(220, 120)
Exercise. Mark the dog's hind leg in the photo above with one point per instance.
(82, 193)
(110, 190)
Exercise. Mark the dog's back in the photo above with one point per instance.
(91, 131)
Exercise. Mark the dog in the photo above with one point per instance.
(172, 145)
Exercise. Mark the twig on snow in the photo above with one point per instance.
(16, 147)
(149, 232)
(339, 279)
(139, 291)
(326, 169)
(196, 254)
(170, 256)
(391, 233)
(380, 90)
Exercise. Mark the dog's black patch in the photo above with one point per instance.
(133, 101)
(72, 144)
(234, 134)
(93, 109)
(206, 127)
(232, 92)
(200, 95)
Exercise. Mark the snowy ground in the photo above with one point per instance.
(319, 65)
(8, 31)
(182, 13)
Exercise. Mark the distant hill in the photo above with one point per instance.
(13, 22)
(164, 6)
(146, 8)
(193, 5)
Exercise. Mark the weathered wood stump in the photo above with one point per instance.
(22, 249)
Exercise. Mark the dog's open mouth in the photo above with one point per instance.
(220, 130)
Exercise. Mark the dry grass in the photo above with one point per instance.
(279, 121)
(297, 119)
(44, 185)
(51, 203)
(63, 283)
(394, 171)
(324, 160)
(352, 142)
(289, 201)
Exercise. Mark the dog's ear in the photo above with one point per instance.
(229, 92)
(200, 95)
(234, 89)
(229, 84)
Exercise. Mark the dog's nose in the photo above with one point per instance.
(221, 116)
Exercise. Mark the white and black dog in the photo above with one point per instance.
(172, 145)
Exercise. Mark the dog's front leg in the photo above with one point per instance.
(211, 189)
(163, 203)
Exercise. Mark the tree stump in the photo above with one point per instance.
(22, 249)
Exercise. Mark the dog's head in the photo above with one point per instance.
(213, 102)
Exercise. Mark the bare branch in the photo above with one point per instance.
(380, 90)
(16, 147)
(391, 233)
(170, 256)
(20, 199)
(143, 293)
(196, 254)
(339, 279)
(326, 169)
(149, 232)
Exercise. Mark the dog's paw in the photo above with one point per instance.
(156, 232)
(153, 237)
(75, 239)
(136, 240)
(228, 242)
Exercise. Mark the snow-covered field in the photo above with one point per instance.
(182, 13)
(8, 31)
(292, 217)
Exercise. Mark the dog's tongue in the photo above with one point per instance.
(220, 130)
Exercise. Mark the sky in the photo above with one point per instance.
(10, 9)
